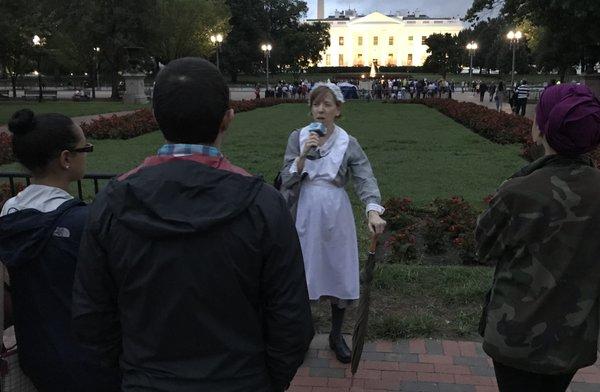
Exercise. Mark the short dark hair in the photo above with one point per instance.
(37, 140)
(190, 99)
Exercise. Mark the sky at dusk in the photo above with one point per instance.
(433, 8)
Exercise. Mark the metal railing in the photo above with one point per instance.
(94, 177)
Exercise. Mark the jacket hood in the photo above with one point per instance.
(179, 197)
(24, 234)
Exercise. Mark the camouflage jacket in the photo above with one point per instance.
(542, 230)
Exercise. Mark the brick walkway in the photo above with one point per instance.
(419, 365)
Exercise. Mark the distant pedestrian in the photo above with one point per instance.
(522, 95)
(500, 96)
(483, 87)
(492, 91)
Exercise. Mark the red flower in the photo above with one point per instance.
(458, 241)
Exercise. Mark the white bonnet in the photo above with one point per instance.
(337, 93)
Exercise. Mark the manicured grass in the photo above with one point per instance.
(411, 300)
(415, 152)
(68, 108)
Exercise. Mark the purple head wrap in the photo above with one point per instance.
(568, 116)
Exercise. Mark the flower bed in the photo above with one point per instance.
(121, 127)
(6, 154)
(441, 234)
(498, 127)
(142, 121)
(5, 192)
(134, 124)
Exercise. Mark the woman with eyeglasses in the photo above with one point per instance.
(40, 230)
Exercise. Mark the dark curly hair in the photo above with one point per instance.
(37, 140)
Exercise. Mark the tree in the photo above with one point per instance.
(568, 28)
(445, 54)
(115, 26)
(241, 49)
(20, 21)
(183, 28)
(295, 44)
(302, 46)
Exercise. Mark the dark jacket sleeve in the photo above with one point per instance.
(287, 317)
(95, 314)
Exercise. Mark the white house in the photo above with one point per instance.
(381, 39)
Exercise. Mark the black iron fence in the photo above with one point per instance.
(94, 178)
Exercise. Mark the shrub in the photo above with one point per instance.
(435, 237)
(400, 220)
(447, 228)
(6, 194)
(398, 213)
(121, 127)
(458, 218)
(6, 154)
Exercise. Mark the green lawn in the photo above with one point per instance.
(415, 152)
(68, 108)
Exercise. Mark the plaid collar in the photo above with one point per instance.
(189, 149)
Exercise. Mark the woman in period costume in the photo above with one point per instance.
(324, 217)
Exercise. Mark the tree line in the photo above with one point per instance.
(558, 35)
(109, 36)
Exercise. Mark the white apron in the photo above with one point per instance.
(325, 225)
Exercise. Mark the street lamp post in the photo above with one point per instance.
(514, 38)
(267, 49)
(471, 47)
(95, 75)
(216, 40)
(38, 43)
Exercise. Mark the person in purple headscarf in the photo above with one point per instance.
(542, 230)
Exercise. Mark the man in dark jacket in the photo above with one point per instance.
(191, 274)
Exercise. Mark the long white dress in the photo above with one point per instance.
(325, 223)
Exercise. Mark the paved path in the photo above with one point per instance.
(469, 97)
(418, 365)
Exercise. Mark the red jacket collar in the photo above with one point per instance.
(217, 162)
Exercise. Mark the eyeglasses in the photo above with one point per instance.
(89, 147)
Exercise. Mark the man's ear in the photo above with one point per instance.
(227, 120)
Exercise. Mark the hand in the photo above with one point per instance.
(313, 141)
(376, 224)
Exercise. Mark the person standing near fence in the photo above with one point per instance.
(40, 230)
(541, 230)
(522, 95)
(191, 275)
